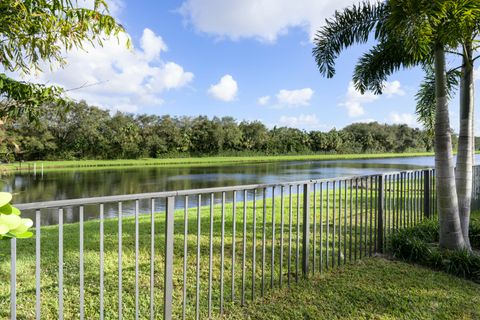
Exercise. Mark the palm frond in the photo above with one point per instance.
(351, 26)
(374, 67)
(425, 97)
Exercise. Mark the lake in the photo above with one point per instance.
(71, 184)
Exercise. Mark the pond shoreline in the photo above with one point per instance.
(193, 161)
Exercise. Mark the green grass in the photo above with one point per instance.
(372, 288)
(200, 161)
(361, 232)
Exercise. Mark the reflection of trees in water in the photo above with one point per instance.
(93, 183)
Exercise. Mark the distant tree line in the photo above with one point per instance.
(86, 132)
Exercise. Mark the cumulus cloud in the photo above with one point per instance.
(152, 45)
(404, 118)
(263, 101)
(225, 90)
(114, 6)
(118, 78)
(302, 121)
(393, 88)
(295, 98)
(260, 19)
(354, 101)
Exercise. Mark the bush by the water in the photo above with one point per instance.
(419, 244)
(475, 233)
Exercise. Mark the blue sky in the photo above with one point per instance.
(250, 59)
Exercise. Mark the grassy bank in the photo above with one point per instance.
(355, 239)
(373, 288)
(201, 161)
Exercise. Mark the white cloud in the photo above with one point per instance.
(225, 90)
(393, 88)
(116, 77)
(114, 6)
(354, 100)
(404, 118)
(263, 101)
(302, 121)
(152, 45)
(260, 19)
(294, 98)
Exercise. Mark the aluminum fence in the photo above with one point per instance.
(476, 188)
(196, 252)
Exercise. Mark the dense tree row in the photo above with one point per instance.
(85, 132)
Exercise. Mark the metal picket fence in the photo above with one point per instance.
(193, 253)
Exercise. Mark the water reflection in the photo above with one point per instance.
(91, 183)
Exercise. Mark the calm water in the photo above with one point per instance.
(90, 183)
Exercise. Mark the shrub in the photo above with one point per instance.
(417, 244)
(462, 263)
(407, 246)
(474, 234)
(427, 231)
(436, 259)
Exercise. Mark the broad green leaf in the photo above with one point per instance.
(10, 220)
(3, 229)
(19, 230)
(22, 227)
(24, 235)
(15, 211)
(27, 222)
(9, 209)
(5, 198)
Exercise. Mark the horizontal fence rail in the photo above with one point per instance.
(192, 253)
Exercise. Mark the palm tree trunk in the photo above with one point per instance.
(464, 174)
(451, 236)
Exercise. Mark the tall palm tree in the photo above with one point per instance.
(447, 201)
(398, 48)
(421, 28)
(464, 174)
(426, 112)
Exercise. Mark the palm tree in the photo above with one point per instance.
(398, 48)
(464, 174)
(450, 229)
(426, 112)
(433, 28)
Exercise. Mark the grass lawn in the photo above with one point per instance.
(200, 161)
(373, 288)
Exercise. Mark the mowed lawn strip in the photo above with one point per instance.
(200, 161)
(373, 288)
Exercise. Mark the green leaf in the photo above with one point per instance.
(9, 209)
(22, 227)
(24, 235)
(11, 221)
(5, 198)
(3, 229)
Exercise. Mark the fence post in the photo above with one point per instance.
(380, 204)
(13, 278)
(167, 298)
(426, 193)
(306, 229)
